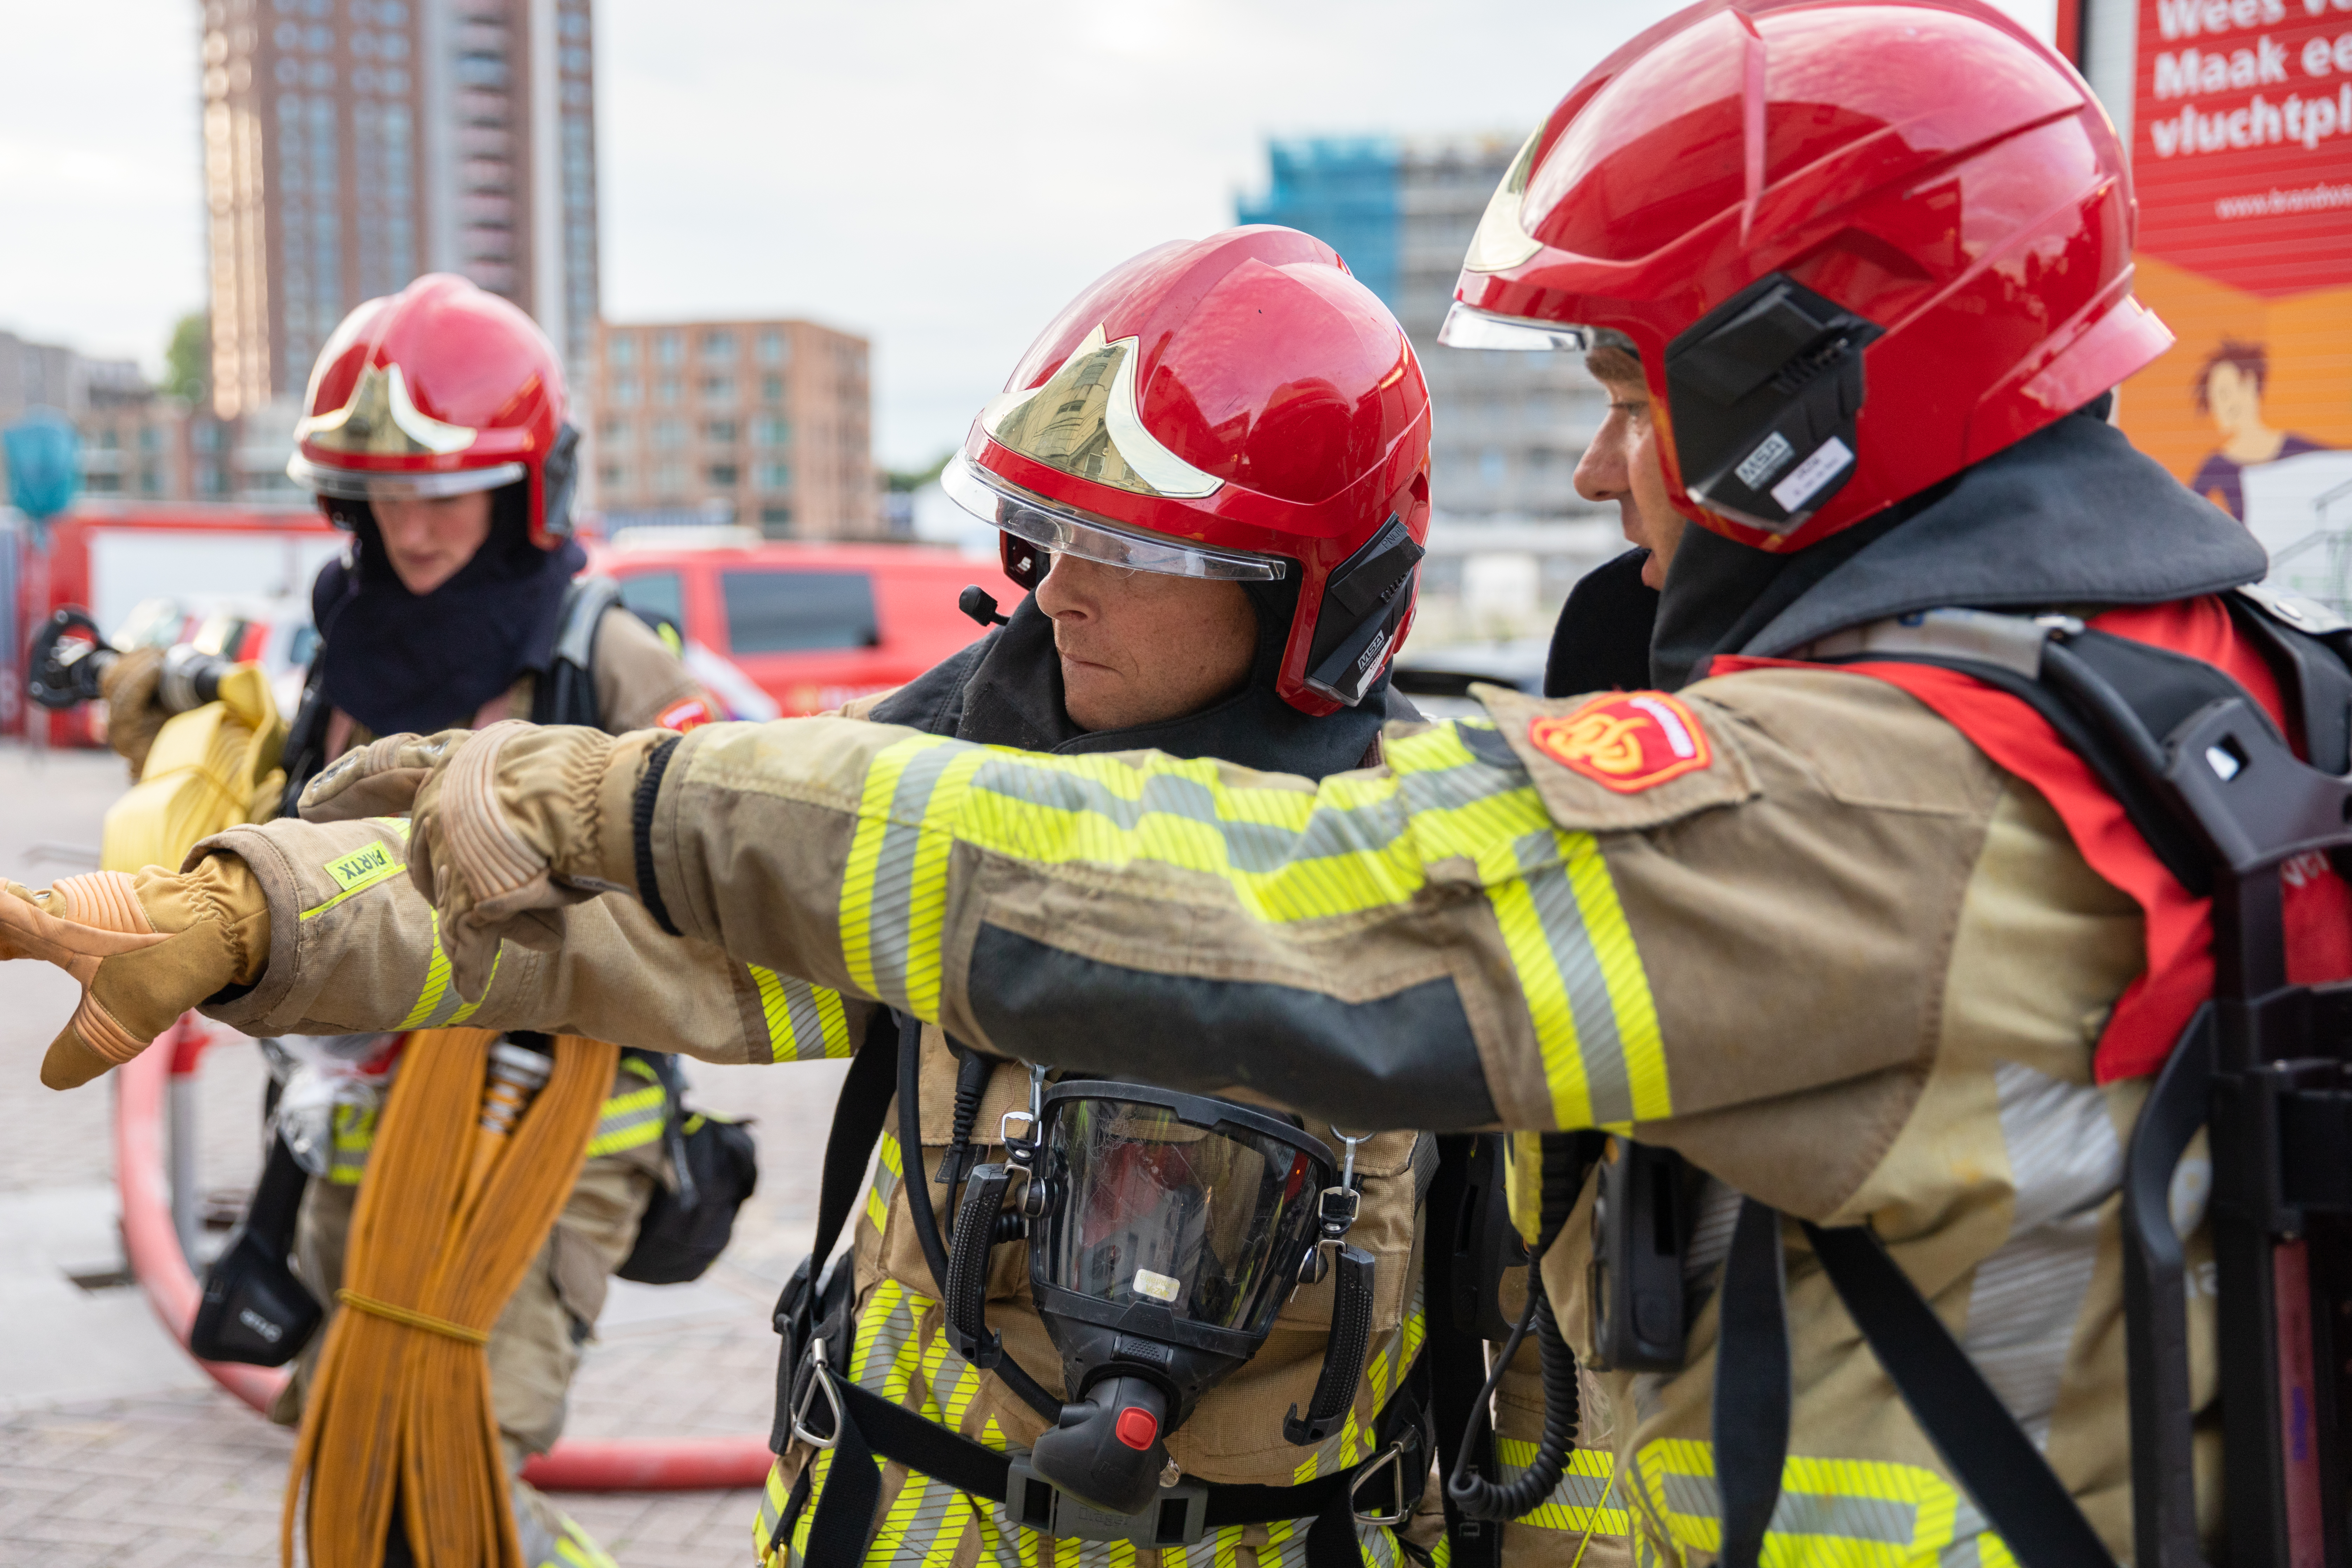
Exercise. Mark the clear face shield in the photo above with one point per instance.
(362, 485)
(1049, 528)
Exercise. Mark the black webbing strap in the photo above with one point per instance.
(872, 1426)
(1751, 1384)
(858, 1117)
(2011, 1483)
(1456, 1359)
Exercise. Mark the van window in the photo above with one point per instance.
(655, 593)
(788, 612)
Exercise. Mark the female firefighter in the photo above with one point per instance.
(435, 431)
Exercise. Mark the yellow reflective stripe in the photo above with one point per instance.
(1583, 1499)
(470, 1008)
(436, 983)
(358, 884)
(775, 1498)
(886, 1182)
(805, 1022)
(353, 1136)
(629, 1121)
(1636, 1010)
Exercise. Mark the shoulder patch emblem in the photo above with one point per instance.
(1627, 741)
(691, 714)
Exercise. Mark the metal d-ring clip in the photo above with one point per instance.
(1336, 1208)
(1389, 1462)
(818, 1379)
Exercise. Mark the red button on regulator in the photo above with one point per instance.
(1137, 1426)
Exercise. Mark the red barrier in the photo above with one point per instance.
(677, 1464)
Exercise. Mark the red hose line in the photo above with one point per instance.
(675, 1464)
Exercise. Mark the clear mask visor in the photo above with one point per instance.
(1060, 530)
(1209, 1222)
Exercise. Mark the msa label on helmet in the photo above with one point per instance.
(1627, 741)
(1766, 460)
(1774, 371)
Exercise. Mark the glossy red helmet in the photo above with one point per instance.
(440, 389)
(1858, 245)
(1239, 407)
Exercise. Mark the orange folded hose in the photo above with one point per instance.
(400, 1405)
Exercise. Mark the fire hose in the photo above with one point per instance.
(157, 1086)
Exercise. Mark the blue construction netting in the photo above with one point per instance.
(1343, 191)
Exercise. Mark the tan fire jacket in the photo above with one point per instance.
(1835, 956)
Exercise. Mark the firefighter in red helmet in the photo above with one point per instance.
(434, 430)
(1858, 988)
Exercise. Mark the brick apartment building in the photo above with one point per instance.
(759, 423)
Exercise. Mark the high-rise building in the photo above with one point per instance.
(353, 144)
(1509, 428)
(763, 424)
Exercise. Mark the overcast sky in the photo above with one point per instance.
(939, 176)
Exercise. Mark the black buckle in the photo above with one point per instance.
(1179, 1516)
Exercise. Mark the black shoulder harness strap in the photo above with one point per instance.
(2223, 799)
(566, 694)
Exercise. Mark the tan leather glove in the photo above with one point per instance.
(379, 779)
(509, 824)
(133, 717)
(145, 948)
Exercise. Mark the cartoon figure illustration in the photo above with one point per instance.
(2230, 390)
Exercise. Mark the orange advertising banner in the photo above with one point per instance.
(2241, 154)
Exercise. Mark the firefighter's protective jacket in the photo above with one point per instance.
(1789, 921)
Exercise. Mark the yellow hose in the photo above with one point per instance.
(400, 1405)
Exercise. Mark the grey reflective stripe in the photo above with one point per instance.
(2064, 1161)
(890, 920)
(2012, 642)
(1600, 1045)
(1887, 1521)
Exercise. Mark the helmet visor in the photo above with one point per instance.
(1200, 1206)
(1060, 530)
(1467, 327)
(357, 484)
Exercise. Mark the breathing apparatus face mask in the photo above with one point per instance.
(1166, 1231)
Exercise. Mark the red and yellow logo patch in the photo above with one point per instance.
(691, 714)
(1627, 741)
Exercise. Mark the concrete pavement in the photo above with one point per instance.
(114, 1448)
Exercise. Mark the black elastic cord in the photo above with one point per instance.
(641, 828)
(914, 1182)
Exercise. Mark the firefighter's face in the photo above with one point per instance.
(1622, 465)
(1139, 647)
(429, 541)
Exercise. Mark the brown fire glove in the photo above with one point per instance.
(133, 715)
(509, 824)
(145, 948)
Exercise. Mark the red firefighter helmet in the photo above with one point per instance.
(1237, 407)
(1771, 197)
(440, 389)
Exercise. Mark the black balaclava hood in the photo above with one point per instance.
(1006, 691)
(397, 661)
(2071, 515)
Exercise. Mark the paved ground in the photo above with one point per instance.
(115, 1450)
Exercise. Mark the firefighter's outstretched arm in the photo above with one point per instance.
(1637, 909)
(305, 928)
